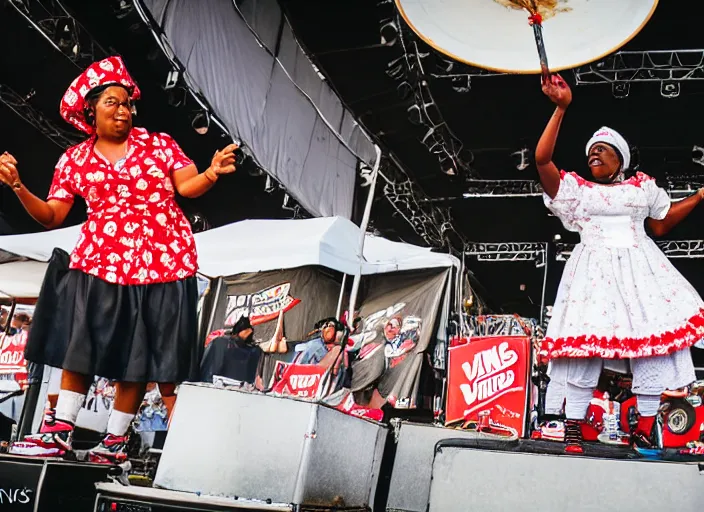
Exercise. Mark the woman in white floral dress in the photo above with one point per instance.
(621, 302)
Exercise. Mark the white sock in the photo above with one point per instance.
(648, 405)
(577, 401)
(119, 422)
(69, 405)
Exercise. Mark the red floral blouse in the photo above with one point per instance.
(135, 233)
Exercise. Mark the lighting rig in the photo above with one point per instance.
(432, 224)
(53, 21)
(20, 105)
(509, 252)
(673, 249)
(408, 70)
(668, 67)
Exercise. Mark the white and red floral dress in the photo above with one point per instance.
(620, 298)
(135, 233)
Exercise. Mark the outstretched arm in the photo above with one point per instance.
(559, 93)
(191, 184)
(677, 213)
(51, 214)
(547, 170)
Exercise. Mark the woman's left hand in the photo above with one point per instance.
(701, 193)
(224, 160)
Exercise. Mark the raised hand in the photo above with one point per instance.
(557, 90)
(224, 160)
(8, 171)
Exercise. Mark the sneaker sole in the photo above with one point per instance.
(35, 451)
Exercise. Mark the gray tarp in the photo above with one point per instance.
(295, 125)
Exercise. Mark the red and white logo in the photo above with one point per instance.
(488, 381)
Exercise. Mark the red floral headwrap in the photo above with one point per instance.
(108, 71)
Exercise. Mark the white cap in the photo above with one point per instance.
(612, 137)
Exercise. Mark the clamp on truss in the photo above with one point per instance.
(508, 252)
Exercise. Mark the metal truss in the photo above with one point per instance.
(503, 188)
(430, 223)
(669, 67)
(678, 187)
(673, 249)
(644, 66)
(19, 105)
(53, 21)
(508, 252)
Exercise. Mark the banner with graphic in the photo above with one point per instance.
(12, 343)
(302, 295)
(399, 314)
(488, 383)
(12, 360)
(299, 380)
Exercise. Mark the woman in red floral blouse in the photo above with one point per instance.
(125, 308)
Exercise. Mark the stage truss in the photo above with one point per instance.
(536, 252)
(678, 187)
(673, 249)
(21, 106)
(508, 252)
(53, 21)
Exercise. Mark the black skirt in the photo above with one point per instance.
(132, 333)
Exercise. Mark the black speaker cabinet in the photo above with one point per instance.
(48, 485)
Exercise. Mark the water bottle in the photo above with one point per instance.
(611, 422)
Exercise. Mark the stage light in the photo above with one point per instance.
(669, 89)
(448, 167)
(201, 122)
(389, 33)
(556, 238)
(65, 35)
(461, 84)
(122, 8)
(269, 185)
(199, 222)
(620, 90)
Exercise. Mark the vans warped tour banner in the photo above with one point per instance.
(300, 296)
(399, 321)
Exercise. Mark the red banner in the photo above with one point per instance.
(488, 383)
(300, 380)
(12, 360)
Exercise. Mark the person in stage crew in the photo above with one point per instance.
(620, 302)
(126, 308)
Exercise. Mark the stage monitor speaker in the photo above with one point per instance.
(48, 485)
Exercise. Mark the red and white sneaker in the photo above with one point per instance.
(111, 450)
(49, 420)
(55, 441)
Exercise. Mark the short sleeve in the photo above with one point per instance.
(61, 185)
(567, 200)
(176, 158)
(658, 200)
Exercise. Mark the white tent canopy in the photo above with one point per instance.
(332, 242)
(246, 246)
(21, 279)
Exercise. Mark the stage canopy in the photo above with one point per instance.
(268, 93)
(246, 246)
